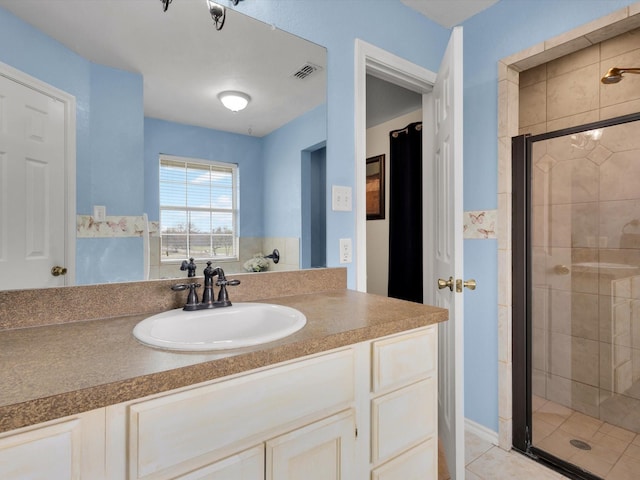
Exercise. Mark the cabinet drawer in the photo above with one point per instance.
(403, 418)
(405, 358)
(419, 463)
(189, 429)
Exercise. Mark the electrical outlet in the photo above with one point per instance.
(345, 250)
(99, 213)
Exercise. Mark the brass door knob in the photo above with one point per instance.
(58, 270)
(445, 283)
(470, 284)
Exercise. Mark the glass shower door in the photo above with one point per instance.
(584, 307)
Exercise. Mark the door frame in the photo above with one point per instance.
(375, 61)
(69, 102)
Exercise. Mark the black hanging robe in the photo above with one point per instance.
(405, 213)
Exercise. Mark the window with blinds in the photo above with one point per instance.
(198, 209)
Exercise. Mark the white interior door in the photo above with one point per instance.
(442, 149)
(33, 182)
(446, 171)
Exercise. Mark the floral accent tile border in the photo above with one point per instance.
(113, 226)
(480, 224)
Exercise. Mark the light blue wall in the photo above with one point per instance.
(508, 27)
(112, 170)
(387, 24)
(282, 174)
(171, 138)
(117, 143)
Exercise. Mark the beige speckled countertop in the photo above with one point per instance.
(57, 370)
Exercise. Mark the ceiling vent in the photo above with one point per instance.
(306, 70)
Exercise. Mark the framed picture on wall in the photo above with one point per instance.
(375, 188)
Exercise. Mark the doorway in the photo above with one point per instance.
(389, 107)
(577, 297)
(314, 224)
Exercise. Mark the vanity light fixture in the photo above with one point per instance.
(234, 101)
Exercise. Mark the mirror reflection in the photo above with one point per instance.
(117, 86)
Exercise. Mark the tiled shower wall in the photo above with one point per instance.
(586, 243)
(567, 92)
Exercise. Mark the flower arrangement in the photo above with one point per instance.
(256, 264)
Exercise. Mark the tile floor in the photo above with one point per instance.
(614, 454)
(485, 461)
(615, 451)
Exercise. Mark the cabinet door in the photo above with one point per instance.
(70, 449)
(247, 465)
(323, 450)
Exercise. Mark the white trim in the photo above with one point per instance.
(69, 102)
(387, 66)
(481, 431)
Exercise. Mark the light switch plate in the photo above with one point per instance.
(99, 213)
(340, 198)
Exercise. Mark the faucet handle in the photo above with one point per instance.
(223, 296)
(192, 298)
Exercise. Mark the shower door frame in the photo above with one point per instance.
(521, 149)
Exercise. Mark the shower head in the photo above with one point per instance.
(614, 75)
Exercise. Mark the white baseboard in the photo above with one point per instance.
(481, 431)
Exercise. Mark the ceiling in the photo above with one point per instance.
(185, 62)
(449, 13)
(178, 64)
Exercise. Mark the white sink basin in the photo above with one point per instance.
(241, 325)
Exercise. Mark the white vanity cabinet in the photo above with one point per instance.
(365, 411)
(323, 450)
(71, 448)
(181, 432)
(404, 406)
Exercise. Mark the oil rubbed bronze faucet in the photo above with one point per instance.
(208, 294)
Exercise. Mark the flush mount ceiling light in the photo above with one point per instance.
(234, 101)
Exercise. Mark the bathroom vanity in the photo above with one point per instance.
(353, 395)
